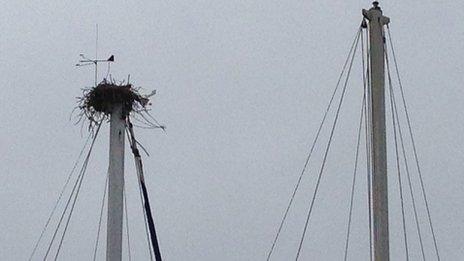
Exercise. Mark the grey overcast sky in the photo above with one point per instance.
(241, 86)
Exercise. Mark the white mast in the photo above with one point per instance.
(116, 184)
(378, 137)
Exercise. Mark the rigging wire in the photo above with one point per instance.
(424, 194)
(143, 127)
(328, 147)
(139, 167)
(96, 53)
(146, 225)
(59, 197)
(143, 209)
(395, 122)
(127, 225)
(311, 150)
(151, 225)
(354, 176)
(101, 217)
(71, 211)
(395, 114)
(416, 218)
(141, 202)
(82, 171)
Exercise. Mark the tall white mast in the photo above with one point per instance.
(116, 184)
(378, 137)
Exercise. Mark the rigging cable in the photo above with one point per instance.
(108, 70)
(395, 122)
(311, 150)
(96, 53)
(354, 176)
(151, 224)
(82, 171)
(424, 194)
(395, 113)
(101, 217)
(71, 211)
(143, 208)
(416, 218)
(328, 146)
(59, 197)
(146, 224)
(127, 225)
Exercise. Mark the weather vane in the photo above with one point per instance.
(86, 61)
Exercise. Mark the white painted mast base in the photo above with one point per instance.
(378, 137)
(115, 185)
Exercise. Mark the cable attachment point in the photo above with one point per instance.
(364, 24)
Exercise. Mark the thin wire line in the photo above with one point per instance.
(150, 222)
(127, 225)
(108, 70)
(145, 223)
(101, 217)
(59, 197)
(96, 54)
(416, 218)
(70, 215)
(394, 122)
(358, 142)
(311, 151)
(327, 150)
(413, 145)
(72, 192)
(71, 211)
(141, 202)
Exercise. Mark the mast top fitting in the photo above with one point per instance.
(375, 13)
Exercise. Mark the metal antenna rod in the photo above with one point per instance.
(96, 53)
(378, 130)
(86, 61)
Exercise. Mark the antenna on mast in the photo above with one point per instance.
(87, 61)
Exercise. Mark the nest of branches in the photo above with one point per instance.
(96, 103)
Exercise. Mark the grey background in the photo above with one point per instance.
(242, 86)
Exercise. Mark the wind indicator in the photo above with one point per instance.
(87, 61)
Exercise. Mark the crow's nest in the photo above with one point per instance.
(97, 102)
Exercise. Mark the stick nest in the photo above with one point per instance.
(97, 102)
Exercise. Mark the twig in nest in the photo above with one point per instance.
(96, 103)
